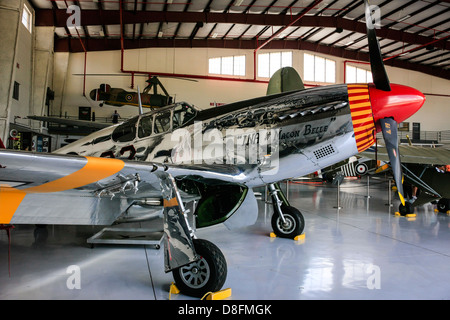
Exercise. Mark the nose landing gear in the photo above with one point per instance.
(287, 221)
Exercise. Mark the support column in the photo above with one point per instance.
(60, 66)
(43, 71)
(9, 24)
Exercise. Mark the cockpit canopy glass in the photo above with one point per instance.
(155, 123)
(125, 131)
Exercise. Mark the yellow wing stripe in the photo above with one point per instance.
(94, 170)
(10, 199)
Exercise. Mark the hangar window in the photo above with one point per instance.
(26, 18)
(357, 75)
(232, 66)
(269, 63)
(318, 69)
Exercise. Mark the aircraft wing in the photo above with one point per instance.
(72, 122)
(412, 154)
(40, 188)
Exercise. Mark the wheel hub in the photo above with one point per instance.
(196, 274)
(288, 225)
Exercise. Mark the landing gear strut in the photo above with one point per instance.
(287, 221)
(198, 266)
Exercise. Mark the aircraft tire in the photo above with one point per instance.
(443, 205)
(205, 275)
(295, 223)
(405, 209)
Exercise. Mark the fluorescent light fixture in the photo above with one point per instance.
(237, 3)
(404, 18)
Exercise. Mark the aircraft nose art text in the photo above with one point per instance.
(362, 117)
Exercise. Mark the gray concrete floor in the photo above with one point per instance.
(361, 251)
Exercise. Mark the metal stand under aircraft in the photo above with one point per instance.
(140, 236)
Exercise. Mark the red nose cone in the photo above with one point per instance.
(400, 103)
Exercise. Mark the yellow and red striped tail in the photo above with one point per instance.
(362, 117)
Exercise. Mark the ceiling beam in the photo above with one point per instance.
(66, 44)
(57, 18)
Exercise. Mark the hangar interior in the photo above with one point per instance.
(57, 56)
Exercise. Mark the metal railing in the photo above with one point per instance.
(425, 136)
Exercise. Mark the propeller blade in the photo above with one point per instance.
(389, 129)
(380, 78)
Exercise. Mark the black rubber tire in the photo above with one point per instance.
(295, 223)
(205, 275)
(443, 205)
(405, 209)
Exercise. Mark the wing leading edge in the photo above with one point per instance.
(62, 189)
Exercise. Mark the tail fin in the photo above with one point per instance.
(285, 79)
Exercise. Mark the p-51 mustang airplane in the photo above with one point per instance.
(217, 155)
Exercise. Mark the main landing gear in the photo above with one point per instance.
(405, 209)
(443, 206)
(287, 221)
(197, 265)
(208, 274)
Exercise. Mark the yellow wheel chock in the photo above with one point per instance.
(299, 237)
(219, 295)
